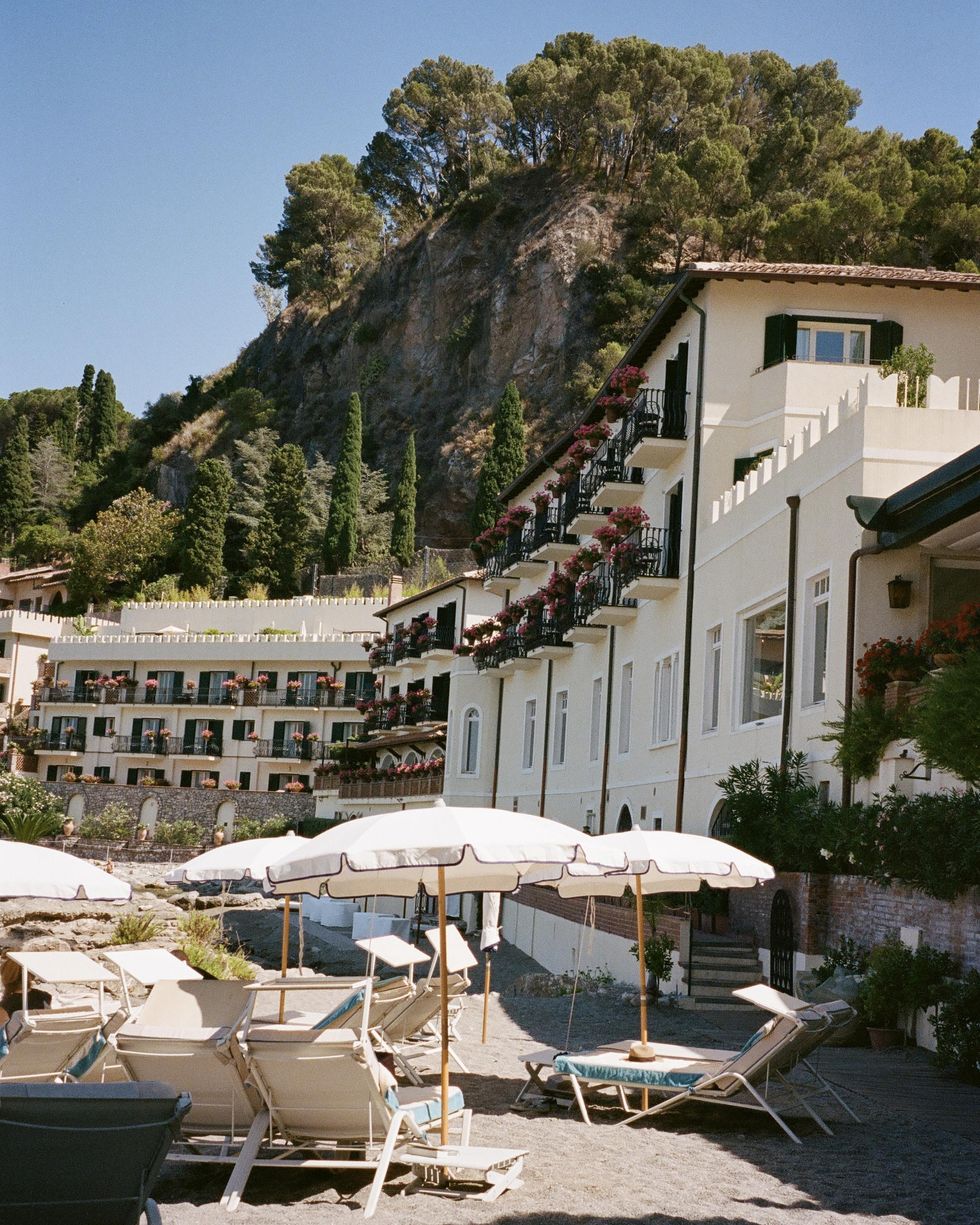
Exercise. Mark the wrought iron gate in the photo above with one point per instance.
(782, 944)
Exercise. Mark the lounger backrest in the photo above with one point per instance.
(407, 1020)
(43, 1046)
(76, 1153)
(773, 1045)
(319, 1083)
(837, 1013)
(386, 995)
(185, 1035)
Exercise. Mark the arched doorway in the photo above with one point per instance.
(782, 943)
(625, 821)
(721, 822)
(149, 811)
(76, 807)
(225, 818)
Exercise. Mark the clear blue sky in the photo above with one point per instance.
(144, 145)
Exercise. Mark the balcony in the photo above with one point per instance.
(389, 714)
(291, 750)
(648, 561)
(499, 569)
(202, 747)
(544, 637)
(142, 746)
(90, 694)
(577, 512)
(610, 482)
(654, 430)
(599, 603)
(61, 742)
(512, 653)
(392, 788)
(546, 536)
(308, 696)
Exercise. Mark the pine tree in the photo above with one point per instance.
(340, 538)
(103, 422)
(403, 527)
(505, 460)
(280, 540)
(16, 486)
(205, 520)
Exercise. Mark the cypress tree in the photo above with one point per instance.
(403, 525)
(279, 542)
(505, 460)
(205, 520)
(85, 391)
(340, 538)
(103, 423)
(16, 486)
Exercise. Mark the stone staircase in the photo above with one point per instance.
(718, 965)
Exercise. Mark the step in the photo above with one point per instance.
(724, 963)
(708, 940)
(734, 978)
(730, 954)
(700, 1004)
(717, 991)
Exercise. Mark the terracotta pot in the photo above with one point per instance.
(881, 1038)
(142, 834)
(944, 658)
(902, 673)
(218, 837)
(613, 413)
(68, 827)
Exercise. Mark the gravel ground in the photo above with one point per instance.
(702, 1164)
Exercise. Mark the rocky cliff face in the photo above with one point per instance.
(431, 338)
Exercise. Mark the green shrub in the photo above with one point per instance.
(958, 1028)
(114, 823)
(863, 733)
(200, 926)
(178, 833)
(252, 827)
(657, 960)
(28, 813)
(900, 981)
(848, 956)
(951, 744)
(309, 827)
(135, 929)
(207, 950)
(366, 333)
(465, 334)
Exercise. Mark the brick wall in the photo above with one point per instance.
(615, 916)
(186, 803)
(828, 907)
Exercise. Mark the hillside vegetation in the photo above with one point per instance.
(519, 230)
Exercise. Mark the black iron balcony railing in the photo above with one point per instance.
(575, 501)
(607, 467)
(202, 747)
(61, 742)
(545, 528)
(72, 693)
(602, 588)
(547, 630)
(302, 695)
(654, 413)
(649, 552)
(291, 750)
(439, 638)
(507, 555)
(156, 744)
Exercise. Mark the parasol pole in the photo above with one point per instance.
(486, 993)
(444, 1012)
(284, 957)
(641, 959)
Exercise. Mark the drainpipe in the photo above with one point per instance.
(496, 743)
(852, 571)
(789, 643)
(605, 751)
(544, 747)
(692, 540)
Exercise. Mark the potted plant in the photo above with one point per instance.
(657, 961)
(232, 784)
(884, 994)
(208, 784)
(142, 833)
(888, 660)
(68, 827)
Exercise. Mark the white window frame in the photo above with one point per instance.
(530, 731)
(665, 674)
(813, 326)
(595, 720)
(745, 660)
(559, 735)
(469, 763)
(817, 605)
(713, 661)
(624, 733)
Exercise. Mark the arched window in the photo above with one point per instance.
(412, 758)
(470, 757)
(721, 822)
(436, 755)
(625, 821)
(386, 762)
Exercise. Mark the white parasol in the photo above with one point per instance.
(38, 871)
(463, 849)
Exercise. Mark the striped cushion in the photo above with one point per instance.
(343, 1009)
(626, 1073)
(425, 1109)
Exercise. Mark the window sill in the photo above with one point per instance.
(753, 724)
(663, 744)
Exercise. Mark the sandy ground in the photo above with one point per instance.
(703, 1164)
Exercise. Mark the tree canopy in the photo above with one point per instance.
(124, 546)
(504, 461)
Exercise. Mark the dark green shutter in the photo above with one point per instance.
(350, 688)
(52, 776)
(137, 733)
(190, 734)
(278, 732)
(178, 683)
(80, 725)
(132, 776)
(273, 782)
(152, 676)
(204, 682)
(98, 726)
(680, 371)
(185, 778)
(273, 680)
(292, 676)
(780, 340)
(886, 336)
(244, 779)
(238, 727)
(337, 733)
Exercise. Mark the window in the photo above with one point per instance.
(470, 759)
(712, 680)
(241, 729)
(625, 822)
(595, 723)
(560, 734)
(952, 584)
(762, 672)
(530, 719)
(103, 773)
(665, 699)
(841, 343)
(815, 639)
(625, 707)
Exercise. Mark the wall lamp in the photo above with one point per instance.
(899, 592)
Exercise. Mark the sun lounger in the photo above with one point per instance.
(328, 1104)
(149, 967)
(84, 1154)
(186, 1035)
(761, 1066)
